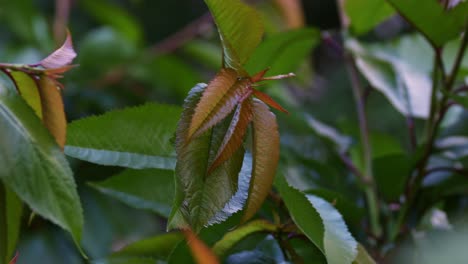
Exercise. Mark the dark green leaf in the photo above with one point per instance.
(391, 173)
(201, 195)
(364, 15)
(34, 167)
(137, 137)
(151, 189)
(10, 222)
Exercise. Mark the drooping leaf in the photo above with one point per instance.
(35, 168)
(61, 57)
(364, 15)
(265, 151)
(151, 189)
(53, 112)
(235, 134)
(201, 195)
(218, 100)
(269, 101)
(437, 24)
(137, 137)
(10, 222)
(283, 52)
(240, 29)
(28, 89)
(201, 252)
(230, 239)
(320, 222)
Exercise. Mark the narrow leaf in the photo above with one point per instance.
(53, 112)
(201, 253)
(61, 57)
(218, 100)
(35, 168)
(28, 89)
(240, 28)
(151, 189)
(201, 195)
(135, 137)
(235, 134)
(230, 239)
(265, 151)
(269, 101)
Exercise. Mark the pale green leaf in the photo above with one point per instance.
(136, 137)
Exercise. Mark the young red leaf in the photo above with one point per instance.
(53, 112)
(218, 100)
(265, 151)
(200, 251)
(15, 258)
(235, 134)
(60, 57)
(269, 101)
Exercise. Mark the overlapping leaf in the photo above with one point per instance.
(199, 194)
(110, 139)
(35, 168)
(240, 30)
(218, 100)
(265, 151)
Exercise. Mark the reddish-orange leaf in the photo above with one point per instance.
(53, 113)
(201, 252)
(269, 101)
(15, 258)
(61, 57)
(259, 76)
(265, 152)
(235, 134)
(218, 100)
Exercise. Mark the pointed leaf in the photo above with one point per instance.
(437, 24)
(320, 222)
(201, 253)
(35, 168)
(61, 57)
(240, 28)
(151, 189)
(27, 88)
(199, 195)
(10, 222)
(265, 151)
(135, 137)
(269, 101)
(235, 134)
(218, 100)
(230, 239)
(53, 112)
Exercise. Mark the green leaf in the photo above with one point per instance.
(151, 189)
(10, 222)
(230, 239)
(290, 49)
(136, 137)
(320, 222)
(201, 195)
(364, 15)
(27, 88)
(363, 257)
(405, 82)
(391, 173)
(430, 18)
(265, 152)
(34, 167)
(240, 29)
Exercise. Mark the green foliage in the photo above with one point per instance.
(364, 15)
(10, 224)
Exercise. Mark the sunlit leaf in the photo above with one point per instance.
(53, 112)
(137, 137)
(35, 168)
(437, 24)
(201, 253)
(150, 189)
(240, 29)
(61, 57)
(232, 238)
(235, 134)
(28, 89)
(217, 101)
(265, 151)
(201, 195)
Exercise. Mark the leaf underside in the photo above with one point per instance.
(60, 57)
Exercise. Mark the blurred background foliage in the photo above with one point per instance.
(134, 51)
